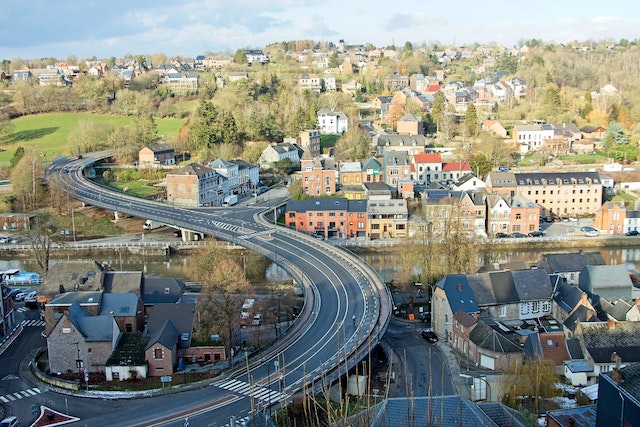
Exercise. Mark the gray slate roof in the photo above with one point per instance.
(484, 336)
(167, 335)
(92, 328)
(459, 294)
(443, 411)
(154, 290)
(601, 341)
(564, 263)
(121, 305)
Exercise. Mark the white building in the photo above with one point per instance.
(332, 122)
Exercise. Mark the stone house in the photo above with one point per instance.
(611, 282)
(280, 151)
(569, 265)
(157, 155)
(606, 345)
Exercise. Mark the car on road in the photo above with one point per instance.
(632, 233)
(564, 219)
(536, 233)
(10, 422)
(20, 296)
(591, 233)
(15, 291)
(518, 235)
(573, 218)
(587, 228)
(430, 336)
(501, 235)
(425, 316)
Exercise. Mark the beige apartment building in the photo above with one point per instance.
(557, 193)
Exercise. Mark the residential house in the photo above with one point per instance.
(610, 218)
(606, 345)
(319, 176)
(569, 265)
(531, 137)
(632, 221)
(453, 171)
(551, 347)
(387, 219)
(351, 86)
(498, 215)
(618, 397)
(491, 348)
(232, 181)
(501, 183)
(127, 361)
(396, 81)
(308, 140)
(71, 275)
(328, 217)
(249, 175)
(332, 122)
(524, 215)
(81, 341)
(593, 132)
(579, 372)
(450, 295)
(426, 167)
(418, 82)
(382, 104)
(570, 304)
(409, 124)
(396, 166)
(469, 182)
(275, 153)
(180, 83)
(11, 221)
(170, 328)
(350, 173)
(310, 81)
(444, 209)
(412, 144)
(620, 310)
(234, 76)
(256, 56)
(157, 291)
(329, 83)
(195, 185)
(372, 170)
(157, 155)
(581, 416)
(494, 128)
(611, 282)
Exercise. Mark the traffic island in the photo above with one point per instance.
(49, 417)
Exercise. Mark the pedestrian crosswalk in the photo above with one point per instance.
(262, 395)
(12, 397)
(36, 323)
(223, 225)
(22, 309)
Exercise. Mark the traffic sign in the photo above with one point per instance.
(165, 379)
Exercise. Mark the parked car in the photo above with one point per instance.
(20, 296)
(518, 235)
(573, 218)
(564, 219)
(429, 336)
(31, 296)
(10, 422)
(587, 228)
(633, 233)
(536, 233)
(591, 233)
(556, 219)
(425, 316)
(501, 235)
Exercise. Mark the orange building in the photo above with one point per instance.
(328, 217)
(319, 176)
(610, 218)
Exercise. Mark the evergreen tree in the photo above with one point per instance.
(471, 120)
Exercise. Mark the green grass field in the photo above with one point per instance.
(48, 133)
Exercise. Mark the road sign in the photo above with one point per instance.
(165, 379)
(86, 376)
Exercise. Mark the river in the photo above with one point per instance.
(382, 260)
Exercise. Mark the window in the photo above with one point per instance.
(503, 311)
(157, 353)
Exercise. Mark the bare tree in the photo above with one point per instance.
(41, 238)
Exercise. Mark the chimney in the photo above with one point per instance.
(584, 298)
(611, 324)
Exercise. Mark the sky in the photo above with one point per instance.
(106, 28)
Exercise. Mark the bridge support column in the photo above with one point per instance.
(116, 215)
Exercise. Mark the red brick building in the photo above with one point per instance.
(328, 217)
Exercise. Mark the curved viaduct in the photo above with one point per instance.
(347, 305)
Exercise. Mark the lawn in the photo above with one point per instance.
(48, 133)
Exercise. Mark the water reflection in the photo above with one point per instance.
(384, 261)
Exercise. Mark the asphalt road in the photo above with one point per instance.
(339, 289)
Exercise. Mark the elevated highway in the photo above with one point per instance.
(347, 305)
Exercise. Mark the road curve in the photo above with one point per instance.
(347, 305)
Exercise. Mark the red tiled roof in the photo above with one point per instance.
(456, 166)
(554, 348)
(433, 88)
(427, 158)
